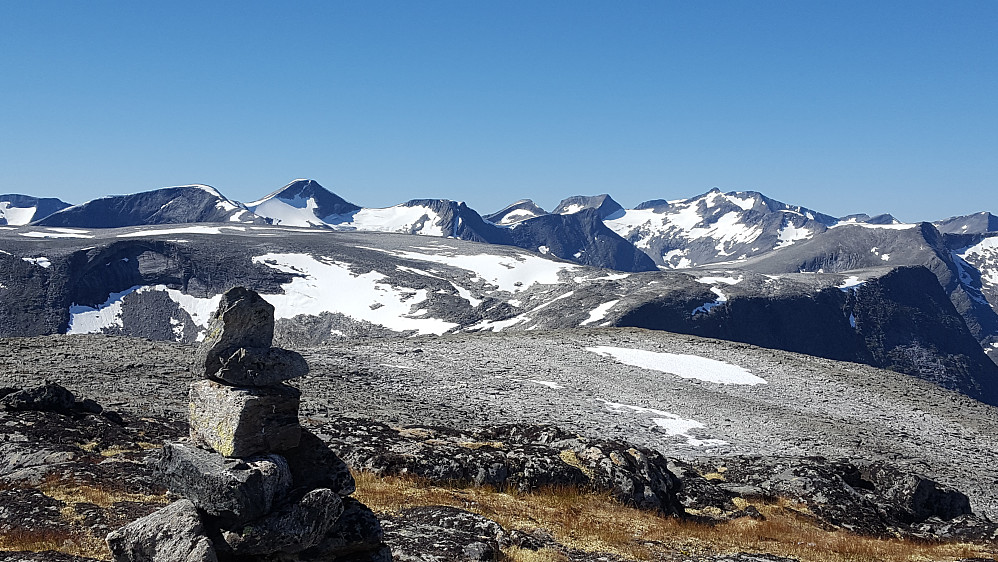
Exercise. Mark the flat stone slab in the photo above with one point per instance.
(259, 366)
(244, 421)
(172, 534)
(234, 490)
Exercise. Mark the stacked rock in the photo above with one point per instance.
(258, 486)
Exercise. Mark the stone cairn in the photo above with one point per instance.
(257, 486)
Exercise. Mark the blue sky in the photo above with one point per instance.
(840, 106)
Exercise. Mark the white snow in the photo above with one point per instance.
(507, 273)
(56, 233)
(851, 282)
(885, 257)
(544, 250)
(89, 320)
(683, 366)
(499, 325)
(705, 309)
(517, 215)
(674, 425)
(39, 261)
(400, 218)
(572, 209)
(466, 295)
(599, 312)
(199, 229)
(895, 226)
(715, 280)
(16, 216)
(746, 204)
(298, 211)
(984, 256)
(325, 285)
(610, 277)
(548, 384)
(790, 234)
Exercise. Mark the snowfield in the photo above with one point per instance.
(683, 366)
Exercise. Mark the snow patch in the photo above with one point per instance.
(851, 283)
(715, 280)
(200, 229)
(400, 218)
(40, 261)
(706, 307)
(790, 234)
(572, 209)
(17, 216)
(683, 366)
(674, 426)
(56, 233)
(599, 312)
(324, 285)
(544, 249)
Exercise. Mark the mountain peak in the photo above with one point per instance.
(303, 202)
(604, 205)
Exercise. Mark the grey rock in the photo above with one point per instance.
(357, 531)
(440, 533)
(243, 319)
(314, 465)
(244, 421)
(259, 366)
(233, 490)
(29, 461)
(48, 397)
(172, 534)
(292, 528)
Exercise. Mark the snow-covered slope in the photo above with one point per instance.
(170, 205)
(302, 202)
(521, 210)
(17, 210)
(604, 205)
(715, 227)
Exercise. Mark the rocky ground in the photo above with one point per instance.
(806, 407)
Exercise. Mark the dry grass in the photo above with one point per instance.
(596, 523)
(72, 492)
(66, 542)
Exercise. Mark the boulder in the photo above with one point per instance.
(172, 534)
(259, 366)
(292, 528)
(49, 397)
(242, 319)
(439, 533)
(234, 490)
(314, 465)
(357, 531)
(244, 421)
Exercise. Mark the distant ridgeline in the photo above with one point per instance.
(911, 297)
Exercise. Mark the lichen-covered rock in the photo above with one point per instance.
(244, 421)
(234, 490)
(172, 534)
(314, 465)
(357, 531)
(292, 528)
(439, 533)
(243, 319)
(259, 366)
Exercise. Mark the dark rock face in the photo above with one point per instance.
(234, 490)
(50, 397)
(293, 528)
(172, 534)
(514, 456)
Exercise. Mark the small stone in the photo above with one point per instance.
(357, 530)
(172, 534)
(258, 366)
(314, 465)
(233, 490)
(242, 319)
(244, 421)
(293, 528)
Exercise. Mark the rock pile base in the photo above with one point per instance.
(257, 486)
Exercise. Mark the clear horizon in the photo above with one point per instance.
(842, 107)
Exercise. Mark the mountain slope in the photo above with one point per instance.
(516, 212)
(302, 203)
(17, 210)
(170, 205)
(978, 223)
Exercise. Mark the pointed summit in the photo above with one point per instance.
(520, 211)
(302, 202)
(604, 204)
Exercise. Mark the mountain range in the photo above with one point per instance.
(740, 266)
